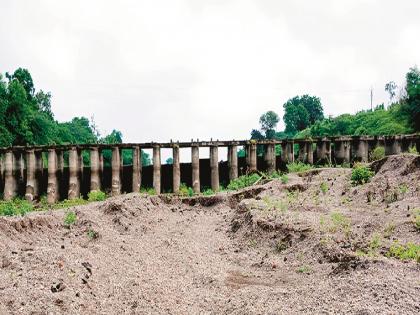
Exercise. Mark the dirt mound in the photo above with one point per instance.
(316, 244)
(394, 165)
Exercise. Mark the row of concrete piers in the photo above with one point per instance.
(25, 165)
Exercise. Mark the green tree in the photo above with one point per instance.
(301, 112)
(269, 121)
(390, 87)
(412, 105)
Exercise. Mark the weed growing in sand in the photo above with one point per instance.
(281, 246)
(405, 252)
(70, 219)
(413, 150)
(92, 234)
(324, 187)
(304, 269)
(297, 167)
(67, 203)
(374, 244)
(208, 192)
(252, 243)
(361, 174)
(377, 154)
(274, 204)
(96, 195)
(292, 196)
(284, 179)
(148, 191)
(339, 222)
(416, 221)
(243, 181)
(389, 230)
(403, 188)
(184, 190)
(15, 207)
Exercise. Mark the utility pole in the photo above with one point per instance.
(371, 98)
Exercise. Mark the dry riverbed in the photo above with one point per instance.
(315, 244)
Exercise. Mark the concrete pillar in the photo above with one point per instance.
(214, 168)
(19, 171)
(309, 152)
(39, 173)
(270, 157)
(392, 145)
(116, 170)
(30, 175)
(9, 179)
(233, 162)
(121, 167)
(52, 188)
(176, 170)
(136, 169)
(1, 173)
(81, 167)
(252, 157)
(284, 152)
(341, 151)
(156, 169)
(287, 151)
(302, 152)
(195, 164)
(95, 182)
(101, 163)
(323, 151)
(360, 149)
(74, 172)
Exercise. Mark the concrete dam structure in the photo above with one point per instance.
(58, 171)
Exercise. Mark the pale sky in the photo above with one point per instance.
(160, 70)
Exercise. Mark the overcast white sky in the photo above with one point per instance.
(160, 70)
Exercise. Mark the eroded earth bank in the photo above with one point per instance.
(315, 244)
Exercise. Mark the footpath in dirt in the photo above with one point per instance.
(315, 244)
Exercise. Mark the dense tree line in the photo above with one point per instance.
(304, 116)
(26, 119)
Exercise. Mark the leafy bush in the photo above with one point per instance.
(361, 174)
(96, 195)
(405, 252)
(377, 154)
(296, 167)
(15, 207)
(243, 181)
(70, 218)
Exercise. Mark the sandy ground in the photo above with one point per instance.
(269, 249)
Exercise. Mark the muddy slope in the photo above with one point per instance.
(302, 247)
